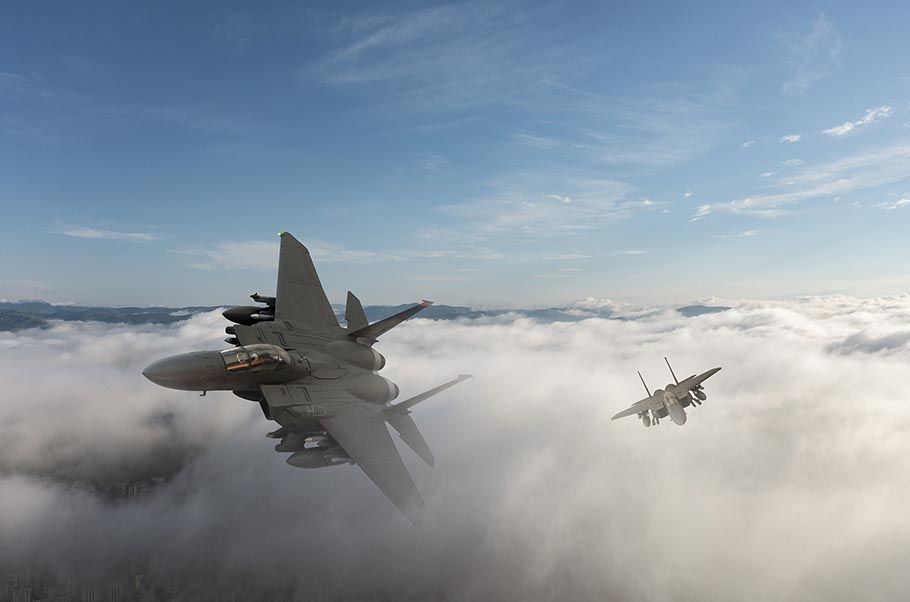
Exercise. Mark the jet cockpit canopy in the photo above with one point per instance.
(256, 358)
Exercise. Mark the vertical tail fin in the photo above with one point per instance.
(353, 313)
(671, 370)
(643, 383)
(300, 295)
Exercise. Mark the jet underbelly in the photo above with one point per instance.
(677, 414)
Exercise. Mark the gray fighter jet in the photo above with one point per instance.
(670, 400)
(316, 379)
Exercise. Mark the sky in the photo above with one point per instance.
(789, 483)
(473, 153)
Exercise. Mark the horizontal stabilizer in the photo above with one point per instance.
(413, 401)
(377, 329)
(407, 429)
(354, 314)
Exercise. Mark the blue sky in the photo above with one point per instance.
(513, 153)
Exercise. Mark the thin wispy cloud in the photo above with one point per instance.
(792, 162)
(433, 162)
(766, 174)
(628, 252)
(900, 203)
(863, 171)
(263, 255)
(100, 234)
(566, 257)
(790, 138)
(745, 234)
(811, 56)
(458, 57)
(516, 211)
(870, 116)
(628, 133)
(701, 212)
(439, 58)
(748, 143)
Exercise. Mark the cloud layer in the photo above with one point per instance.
(789, 483)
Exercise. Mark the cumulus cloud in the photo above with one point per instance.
(870, 116)
(536, 493)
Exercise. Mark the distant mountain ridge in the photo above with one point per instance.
(21, 315)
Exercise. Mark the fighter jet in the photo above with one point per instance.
(317, 380)
(670, 400)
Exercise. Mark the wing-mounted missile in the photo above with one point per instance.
(292, 442)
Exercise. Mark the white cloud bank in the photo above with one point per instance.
(788, 484)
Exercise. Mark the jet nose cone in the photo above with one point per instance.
(183, 371)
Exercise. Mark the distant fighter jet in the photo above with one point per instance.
(316, 379)
(671, 400)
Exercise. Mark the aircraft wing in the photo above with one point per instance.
(300, 296)
(693, 381)
(359, 429)
(638, 407)
(364, 436)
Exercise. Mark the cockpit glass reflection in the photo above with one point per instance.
(255, 358)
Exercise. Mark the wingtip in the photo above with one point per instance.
(464, 377)
(426, 303)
